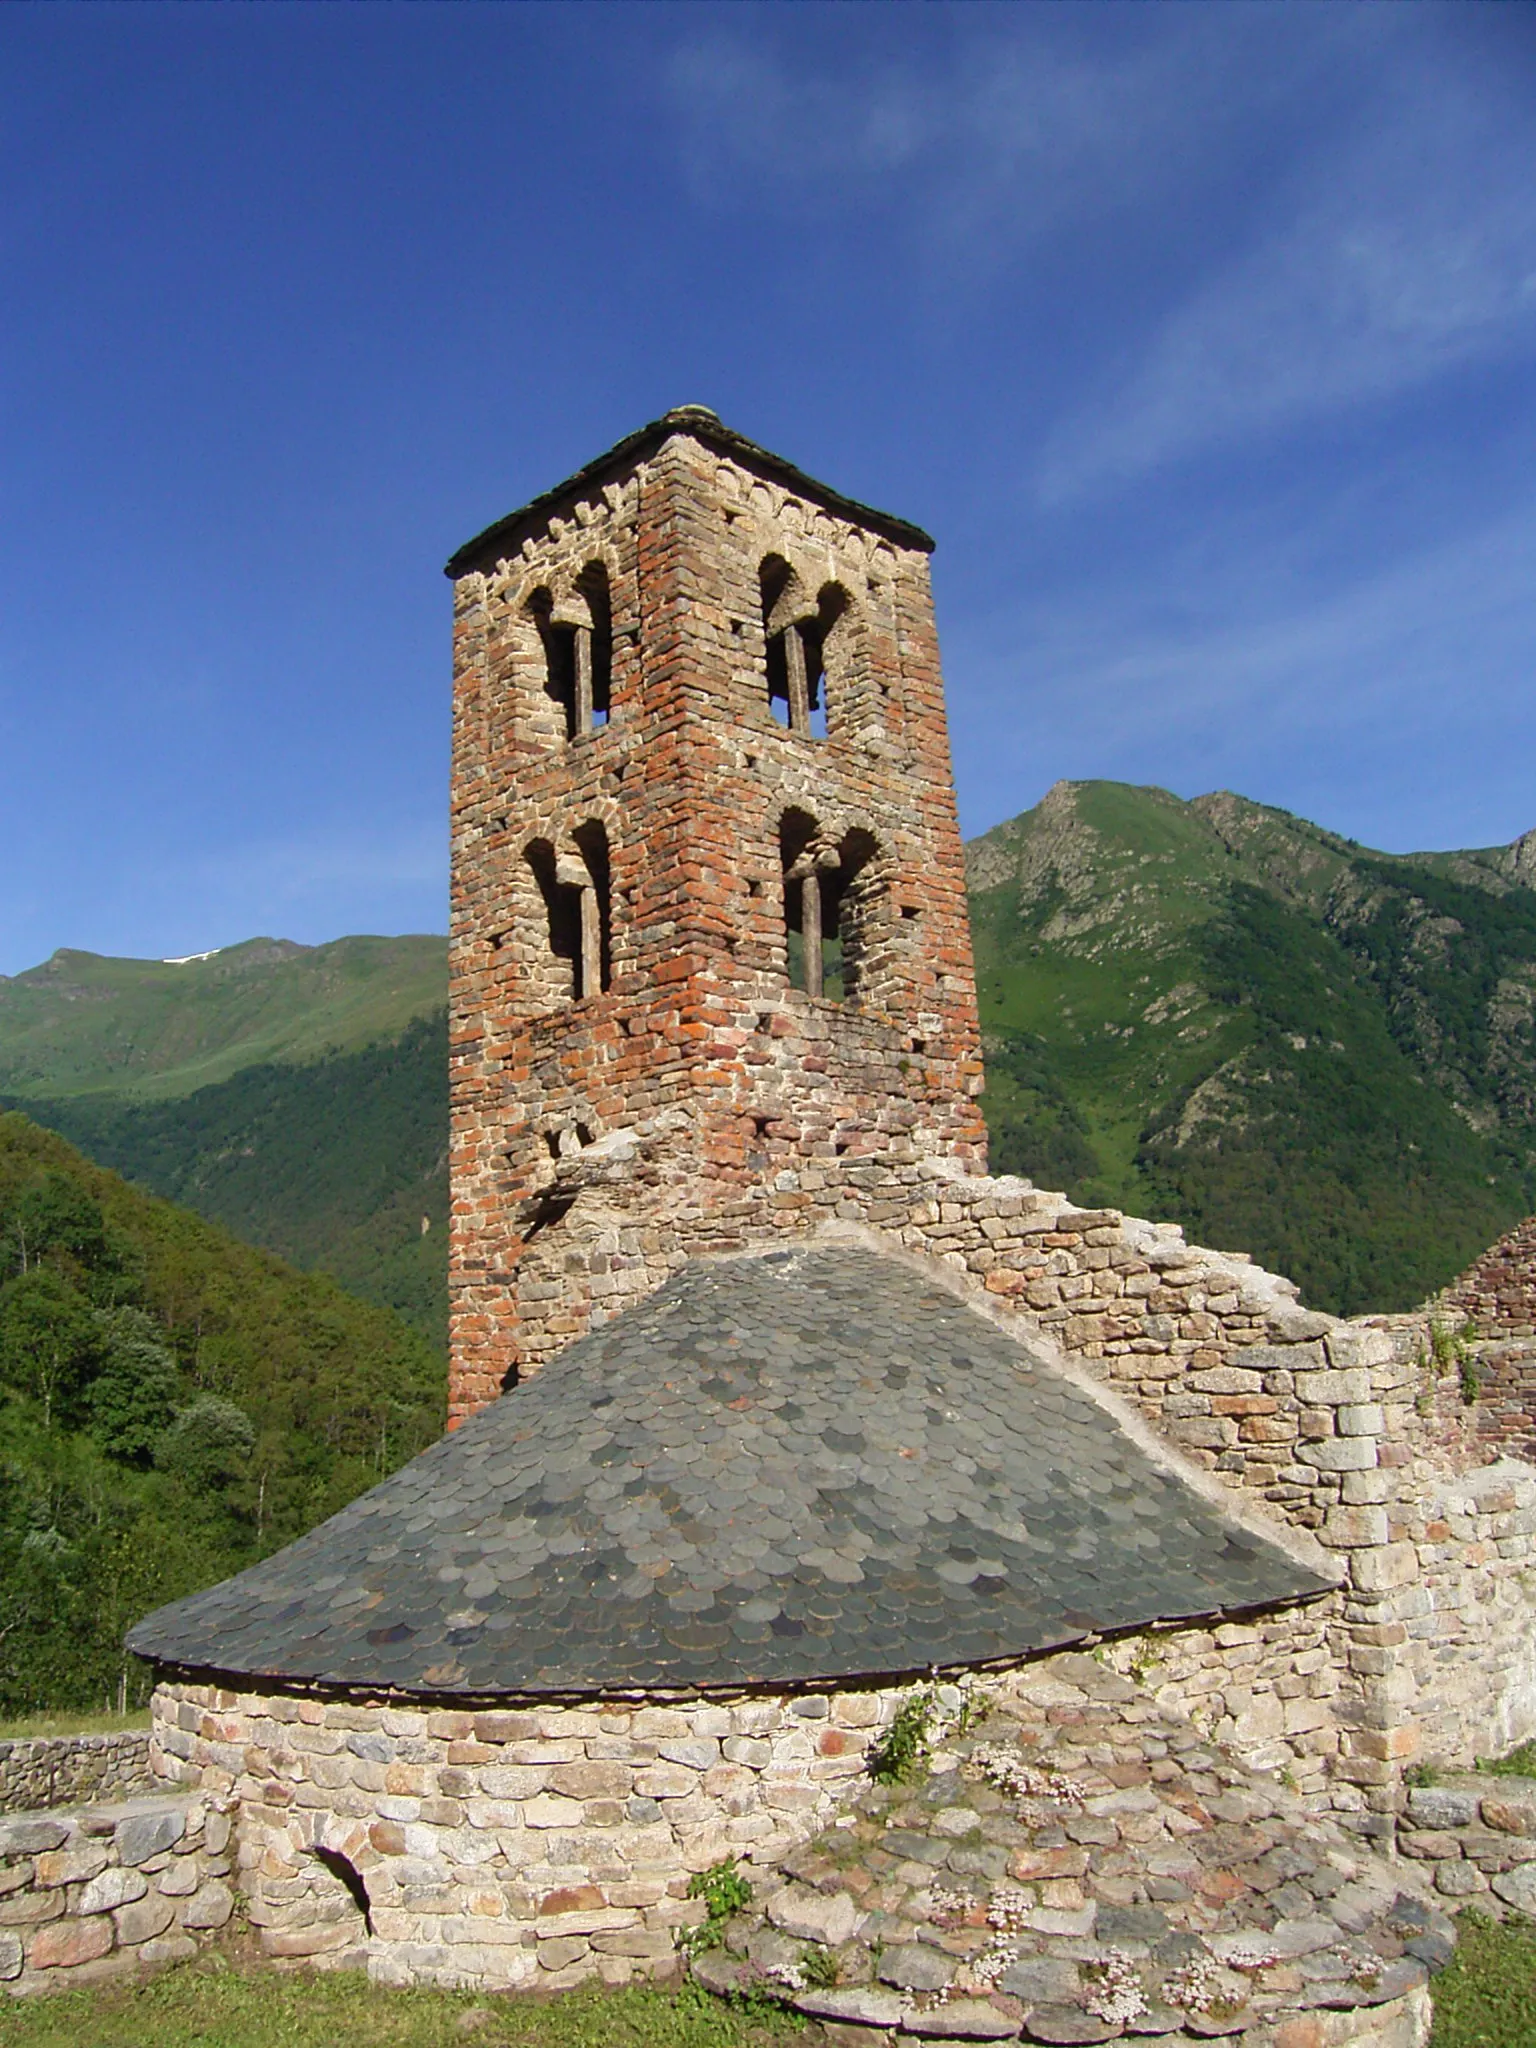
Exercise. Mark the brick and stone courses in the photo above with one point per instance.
(690, 778)
(1498, 1290)
(103, 1891)
(66, 1770)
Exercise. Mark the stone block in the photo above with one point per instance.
(10, 1956)
(1333, 1388)
(142, 1835)
(167, 1948)
(142, 1919)
(1510, 1815)
(69, 1866)
(65, 1944)
(814, 1916)
(31, 1836)
(113, 1888)
(209, 1906)
(912, 1966)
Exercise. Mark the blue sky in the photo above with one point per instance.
(1203, 339)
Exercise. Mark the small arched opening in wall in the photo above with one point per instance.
(833, 897)
(576, 891)
(576, 634)
(782, 602)
(859, 889)
(559, 952)
(595, 909)
(341, 1892)
(824, 642)
(813, 954)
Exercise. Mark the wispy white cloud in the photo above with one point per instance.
(1006, 135)
(1368, 692)
(1404, 251)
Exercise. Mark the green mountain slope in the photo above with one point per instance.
(339, 1163)
(151, 1029)
(1216, 1012)
(173, 1405)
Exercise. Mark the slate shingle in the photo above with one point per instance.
(811, 1465)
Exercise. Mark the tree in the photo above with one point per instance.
(133, 1394)
(54, 1214)
(49, 1341)
(209, 1443)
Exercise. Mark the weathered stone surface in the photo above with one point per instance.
(10, 1956)
(1065, 2023)
(112, 1888)
(962, 2019)
(813, 1916)
(65, 1943)
(912, 1967)
(1433, 1806)
(860, 2004)
(210, 1905)
(31, 1836)
(143, 1919)
(142, 1835)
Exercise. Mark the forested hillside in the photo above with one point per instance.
(1210, 1011)
(1215, 1012)
(173, 1405)
(339, 1163)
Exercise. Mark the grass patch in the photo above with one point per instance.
(74, 1724)
(1487, 1996)
(1520, 1763)
(214, 2003)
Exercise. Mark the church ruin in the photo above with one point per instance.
(766, 1402)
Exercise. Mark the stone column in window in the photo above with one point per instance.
(583, 681)
(799, 696)
(810, 915)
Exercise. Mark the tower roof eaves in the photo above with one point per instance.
(703, 425)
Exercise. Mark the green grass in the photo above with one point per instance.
(1520, 1763)
(1487, 1997)
(215, 2003)
(71, 1724)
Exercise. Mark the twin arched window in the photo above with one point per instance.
(576, 632)
(830, 890)
(797, 635)
(576, 890)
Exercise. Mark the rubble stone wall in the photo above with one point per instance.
(1498, 1290)
(102, 1891)
(1476, 1835)
(66, 1770)
(529, 1846)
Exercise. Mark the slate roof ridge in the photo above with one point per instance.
(703, 425)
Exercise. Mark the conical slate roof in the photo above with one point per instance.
(815, 1464)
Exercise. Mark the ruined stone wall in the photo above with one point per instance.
(1498, 1290)
(698, 1035)
(514, 1847)
(66, 1770)
(102, 1891)
(1338, 1429)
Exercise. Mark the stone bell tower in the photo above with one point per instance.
(710, 961)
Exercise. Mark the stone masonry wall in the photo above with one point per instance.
(67, 1770)
(1312, 1421)
(535, 1846)
(102, 1891)
(697, 1035)
(1498, 1290)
